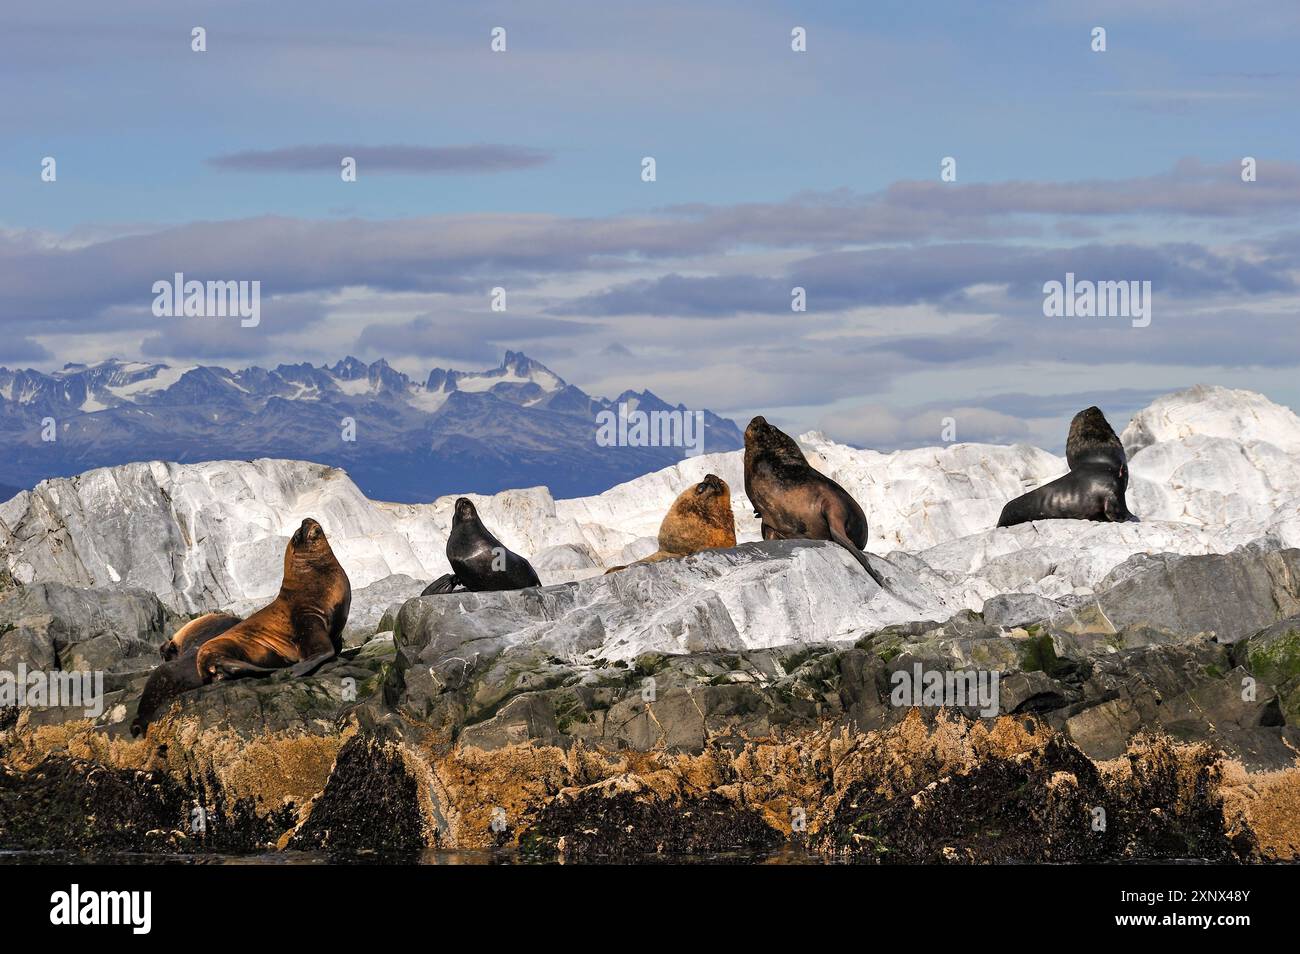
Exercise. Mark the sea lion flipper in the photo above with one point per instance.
(446, 583)
(309, 666)
(1116, 511)
(227, 667)
(838, 536)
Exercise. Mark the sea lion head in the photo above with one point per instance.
(762, 438)
(699, 519)
(465, 510)
(711, 499)
(308, 536)
(1093, 441)
(308, 549)
(712, 486)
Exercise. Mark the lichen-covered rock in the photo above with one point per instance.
(314, 704)
(1273, 657)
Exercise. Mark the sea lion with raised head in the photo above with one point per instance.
(795, 501)
(1093, 489)
(300, 629)
(699, 519)
(479, 562)
(1093, 441)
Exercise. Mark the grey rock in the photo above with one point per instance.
(1226, 596)
(1010, 610)
(314, 704)
(638, 549)
(722, 600)
(1273, 655)
(54, 626)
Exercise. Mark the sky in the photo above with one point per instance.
(774, 169)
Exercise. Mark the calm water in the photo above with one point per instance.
(787, 856)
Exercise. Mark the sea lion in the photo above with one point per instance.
(1093, 441)
(300, 629)
(699, 519)
(478, 560)
(1090, 492)
(1093, 489)
(195, 633)
(794, 501)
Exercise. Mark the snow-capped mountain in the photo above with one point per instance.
(401, 439)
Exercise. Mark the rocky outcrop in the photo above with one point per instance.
(110, 636)
(734, 700)
(1211, 470)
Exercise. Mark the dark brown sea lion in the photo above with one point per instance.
(1093, 489)
(300, 629)
(699, 519)
(1090, 492)
(794, 501)
(1093, 441)
(478, 560)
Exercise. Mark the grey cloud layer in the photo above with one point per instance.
(695, 300)
(458, 253)
(412, 160)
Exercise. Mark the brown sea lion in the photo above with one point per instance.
(300, 629)
(195, 633)
(479, 562)
(794, 501)
(699, 519)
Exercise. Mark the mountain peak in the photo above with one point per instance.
(350, 368)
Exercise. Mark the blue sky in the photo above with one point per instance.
(774, 168)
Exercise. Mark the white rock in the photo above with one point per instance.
(1212, 411)
(1211, 469)
(752, 596)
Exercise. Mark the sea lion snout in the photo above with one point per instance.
(308, 532)
(465, 509)
(711, 484)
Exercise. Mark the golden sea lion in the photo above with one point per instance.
(699, 519)
(300, 629)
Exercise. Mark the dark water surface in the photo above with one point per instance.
(787, 856)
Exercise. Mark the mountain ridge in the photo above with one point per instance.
(400, 438)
